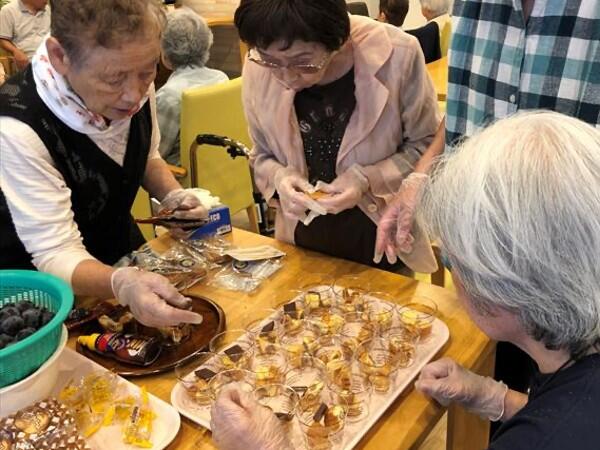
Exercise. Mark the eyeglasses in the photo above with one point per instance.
(255, 57)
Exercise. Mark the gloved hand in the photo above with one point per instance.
(185, 204)
(346, 190)
(292, 188)
(394, 227)
(446, 382)
(239, 422)
(149, 297)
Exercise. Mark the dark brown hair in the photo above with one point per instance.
(79, 25)
(262, 22)
(395, 11)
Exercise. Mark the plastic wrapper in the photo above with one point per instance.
(98, 400)
(47, 424)
(182, 266)
(245, 276)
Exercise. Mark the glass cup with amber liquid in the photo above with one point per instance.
(353, 388)
(329, 321)
(302, 341)
(308, 379)
(195, 377)
(336, 357)
(317, 298)
(381, 310)
(323, 422)
(291, 317)
(350, 292)
(234, 348)
(402, 343)
(376, 362)
(279, 398)
(269, 366)
(265, 331)
(242, 379)
(356, 330)
(418, 315)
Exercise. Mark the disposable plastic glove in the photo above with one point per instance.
(394, 227)
(446, 382)
(292, 188)
(239, 422)
(149, 297)
(185, 204)
(345, 191)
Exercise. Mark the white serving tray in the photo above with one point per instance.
(166, 424)
(353, 432)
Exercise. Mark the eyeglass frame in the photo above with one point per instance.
(303, 68)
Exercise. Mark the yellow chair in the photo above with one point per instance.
(445, 34)
(218, 110)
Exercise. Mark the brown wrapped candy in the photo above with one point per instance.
(46, 425)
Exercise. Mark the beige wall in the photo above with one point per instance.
(414, 18)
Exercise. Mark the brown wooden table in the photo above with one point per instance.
(438, 71)
(411, 418)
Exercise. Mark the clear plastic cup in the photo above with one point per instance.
(308, 379)
(195, 376)
(356, 330)
(402, 343)
(329, 321)
(377, 363)
(301, 341)
(349, 292)
(317, 297)
(330, 350)
(279, 398)
(269, 366)
(418, 314)
(241, 378)
(323, 422)
(355, 390)
(381, 310)
(234, 347)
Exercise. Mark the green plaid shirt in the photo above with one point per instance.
(499, 64)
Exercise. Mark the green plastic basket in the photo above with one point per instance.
(25, 357)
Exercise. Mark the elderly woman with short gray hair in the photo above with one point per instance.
(515, 211)
(186, 43)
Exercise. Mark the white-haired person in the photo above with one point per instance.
(518, 223)
(186, 43)
(498, 47)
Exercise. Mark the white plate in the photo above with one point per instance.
(165, 426)
(353, 432)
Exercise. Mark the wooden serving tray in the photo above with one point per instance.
(213, 324)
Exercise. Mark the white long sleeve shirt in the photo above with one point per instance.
(38, 198)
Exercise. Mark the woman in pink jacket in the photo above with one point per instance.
(335, 103)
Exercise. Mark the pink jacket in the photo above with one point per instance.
(395, 119)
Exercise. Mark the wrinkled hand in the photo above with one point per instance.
(185, 204)
(21, 59)
(447, 382)
(239, 422)
(394, 227)
(292, 188)
(345, 191)
(149, 297)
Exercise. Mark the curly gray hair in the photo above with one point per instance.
(186, 39)
(516, 210)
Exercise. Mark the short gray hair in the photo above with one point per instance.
(437, 7)
(187, 39)
(516, 208)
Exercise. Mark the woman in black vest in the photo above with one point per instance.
(78, 137)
